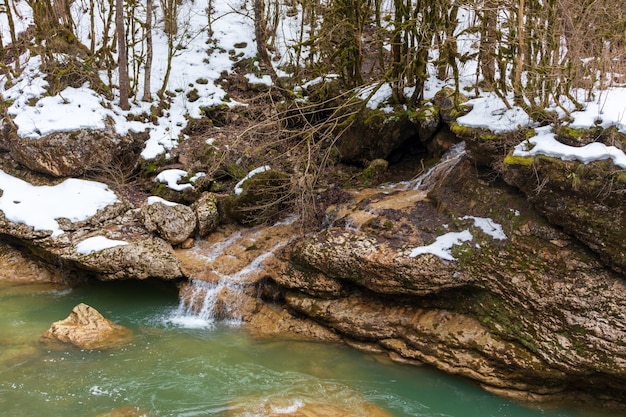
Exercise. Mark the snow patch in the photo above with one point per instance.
(238, 189)
(442, 246)
(171, 178)
(488, 226)
(40, 206)
(97, 244)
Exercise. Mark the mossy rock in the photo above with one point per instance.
(451, 104)
(375, 134)
(262, 198)
(428, 120)
(373, 174)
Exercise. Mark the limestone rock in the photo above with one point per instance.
(173, 222)
(67, 154)
(207, 213)
(427, 120)
(126, 411)
(141, 258)
(86, 328)
(586, 200)
(532, 316)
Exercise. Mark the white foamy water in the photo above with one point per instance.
(204, 304)
(427, 180)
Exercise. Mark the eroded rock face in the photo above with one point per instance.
(86, 328)
(67, 154)
(587, 200)
(533, 316)
(175, 223)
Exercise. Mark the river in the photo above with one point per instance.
(172, 370)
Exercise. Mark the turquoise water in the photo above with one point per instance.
(173, 371)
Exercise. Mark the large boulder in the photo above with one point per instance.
(109, 244)
(516, 304)
(86, 328)
(172, 221)
(68, 154)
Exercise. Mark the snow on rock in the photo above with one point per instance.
(97, 244)
(488, 226)
(171, 178)
(442, 246)
(40, 206)
(154, 199)
(489, 112)
(238, 186)
(545, 143)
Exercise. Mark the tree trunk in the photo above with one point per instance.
(148, 67)
(122, 60)
(519, 59)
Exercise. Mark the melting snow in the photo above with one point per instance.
(171, 178)
(238, 189)
(488, 227)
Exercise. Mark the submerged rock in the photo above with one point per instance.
(127, 411)
(296, 407)
(86, 328)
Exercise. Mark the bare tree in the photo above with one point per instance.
(122, 60)
(148, 64)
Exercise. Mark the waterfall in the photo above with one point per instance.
(428, 179)
(235, 265)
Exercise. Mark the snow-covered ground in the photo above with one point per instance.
(197, 65)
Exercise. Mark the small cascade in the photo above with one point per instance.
(428, 179)
(226, 270)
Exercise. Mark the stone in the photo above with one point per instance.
(143, 257)
(207, 213)
(297, 407)
(173, 222)
(427, 120)
(376, 134)
(70, 154)
(127, 411)
(451, 104)
(86, 328)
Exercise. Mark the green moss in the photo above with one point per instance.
(511, 159)
(473, 132)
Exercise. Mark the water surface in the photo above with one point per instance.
(169, 370)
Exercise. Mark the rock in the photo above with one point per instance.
(173, 222)
(427, 120)
(451, 104)
(69, 154)
(126, 411)
(531, 316)
(587, 201)
(142, 258)
(375, 134)
(16, 266)
(260, 199)
(373, 174)
(86, 328)
(207, 213)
